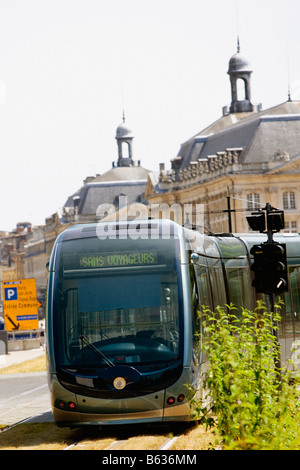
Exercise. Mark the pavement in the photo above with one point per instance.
(16, 357)
(24, 397)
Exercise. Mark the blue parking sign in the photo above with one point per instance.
(11, 293)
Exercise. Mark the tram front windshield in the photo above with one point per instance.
(117, 302)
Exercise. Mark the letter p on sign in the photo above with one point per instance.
(11, 293)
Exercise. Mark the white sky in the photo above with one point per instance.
(69, 67)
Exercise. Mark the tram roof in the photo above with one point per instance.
(292, 241)
(93, 229)
(224, 246)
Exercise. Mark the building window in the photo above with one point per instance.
(290, 226)
(289, 200)
(253, 201)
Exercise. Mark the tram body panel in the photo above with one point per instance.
(149, 408)
(105, 411)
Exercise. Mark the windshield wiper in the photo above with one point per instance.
(90, 345)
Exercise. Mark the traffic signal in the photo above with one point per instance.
(257, 221)
(279, 275)
(258, 267)
(270, 268)
(275, 220)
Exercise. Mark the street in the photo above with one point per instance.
(22, 396)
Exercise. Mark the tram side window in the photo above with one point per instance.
(211, 286)
(238, 286)
(218, 287)
(204, 286)
(292, 302)
(196, 318)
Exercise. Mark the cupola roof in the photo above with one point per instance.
(124, 131)
(239, 63)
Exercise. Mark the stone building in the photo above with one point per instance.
(239, 163)
(12, 251)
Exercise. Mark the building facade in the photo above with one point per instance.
(247, 158)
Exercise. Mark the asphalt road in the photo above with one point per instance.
(23, 396)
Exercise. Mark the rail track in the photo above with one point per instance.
(150, 437)
(164, 443)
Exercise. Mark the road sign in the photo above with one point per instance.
(20, 305)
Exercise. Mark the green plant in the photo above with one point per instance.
(250, 401)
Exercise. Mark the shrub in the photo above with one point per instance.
(254, 406)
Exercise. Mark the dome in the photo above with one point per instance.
(123, 131)
(238, 63)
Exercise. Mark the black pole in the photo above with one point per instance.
(270, 241)
(229, 214)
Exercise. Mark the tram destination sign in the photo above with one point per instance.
(20, 305)
(111, 260)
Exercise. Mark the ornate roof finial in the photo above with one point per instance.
(237, 25)
(123, 116)
(288, 73)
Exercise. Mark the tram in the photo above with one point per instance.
(122, 316)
